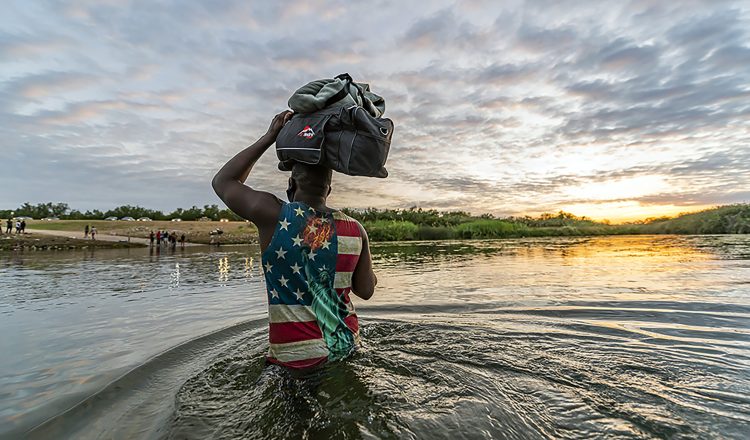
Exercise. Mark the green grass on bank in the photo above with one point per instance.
(424, 225)
(730, 219)
(390, 230)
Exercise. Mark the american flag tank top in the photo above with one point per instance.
(308, 270)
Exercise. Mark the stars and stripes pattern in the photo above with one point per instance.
(305, 244)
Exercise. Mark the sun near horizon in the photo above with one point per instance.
(626, 212)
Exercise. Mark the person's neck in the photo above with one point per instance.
(317, 202)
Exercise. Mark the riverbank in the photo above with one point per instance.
(385, 230)
(401, 225)
(197, 232)
(41, 241)
(406, 225)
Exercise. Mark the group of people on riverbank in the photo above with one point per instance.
(20, 226)
(160, 238)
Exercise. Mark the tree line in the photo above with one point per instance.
(63, 211)
(418, 223)
(435, 218)
(418, 216)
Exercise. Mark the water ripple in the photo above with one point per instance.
(612, 337)
(492, 378)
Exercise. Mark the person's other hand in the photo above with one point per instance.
(277, 123)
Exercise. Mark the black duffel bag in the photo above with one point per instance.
(346, 139)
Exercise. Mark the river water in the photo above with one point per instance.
(611, 337)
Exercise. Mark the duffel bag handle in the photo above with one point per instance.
(341, 94)
(344, 77)
(348, 82)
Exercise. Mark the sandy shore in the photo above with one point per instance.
(102, 237)
(55, 240)
(194, 231)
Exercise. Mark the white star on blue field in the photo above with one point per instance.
(607, 109)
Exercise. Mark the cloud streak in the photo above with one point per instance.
(510, 108)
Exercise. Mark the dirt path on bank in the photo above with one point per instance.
(79, 235)
(102, 237)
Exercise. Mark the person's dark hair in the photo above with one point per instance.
(313, 179)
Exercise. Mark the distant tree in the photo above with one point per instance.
(177, 213)
(59, 209)
(229, 214)
(211, 211)
(93, 215)
(193, 213)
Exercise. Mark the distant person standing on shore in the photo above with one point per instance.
(86, 232)
(151, 238)
(182, 241)
(158, 237)
(93, 233)
(9, 226)
(23, 226)
(18, 227)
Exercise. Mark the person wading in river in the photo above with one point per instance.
(312, 256)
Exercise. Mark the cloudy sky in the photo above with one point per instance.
(618, 110)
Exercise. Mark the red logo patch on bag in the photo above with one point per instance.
(306, 132)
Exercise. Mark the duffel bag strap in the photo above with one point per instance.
(341, 94)
(350, 82)
(344, 77)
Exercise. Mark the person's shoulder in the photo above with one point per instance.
(354, 224)
(290, 207)
(341, 215)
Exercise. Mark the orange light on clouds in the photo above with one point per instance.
(625, 211)
(616, 200)
(625, 188)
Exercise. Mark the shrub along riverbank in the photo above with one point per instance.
(417, 224)
(394, 230)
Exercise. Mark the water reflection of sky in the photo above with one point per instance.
(566, 269)
(628, 265)
(72, 320)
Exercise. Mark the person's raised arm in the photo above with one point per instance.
(363, 278)
(261, 208)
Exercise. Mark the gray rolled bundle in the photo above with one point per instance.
(337, 92)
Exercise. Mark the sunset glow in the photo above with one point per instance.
(620, 212)
(615, 111)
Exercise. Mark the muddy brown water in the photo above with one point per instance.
(611, 337)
